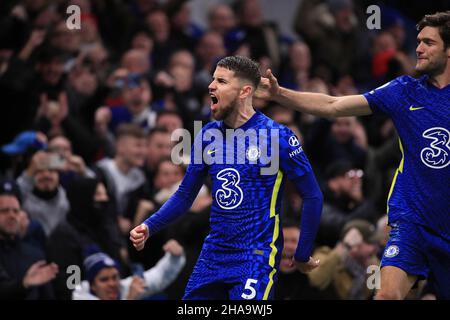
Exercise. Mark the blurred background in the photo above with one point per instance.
(87, 115)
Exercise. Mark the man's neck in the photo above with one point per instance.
(240, 116)
(122, 165)
(443, 79)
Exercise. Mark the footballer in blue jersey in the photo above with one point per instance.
(418, 203)
(248, 157)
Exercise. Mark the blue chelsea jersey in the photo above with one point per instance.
(247, 166)
(246, 199)
(420, 192)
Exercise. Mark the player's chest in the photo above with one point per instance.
(421, 112)
(424, 129)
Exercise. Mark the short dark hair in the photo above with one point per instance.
(242, 67)
(440, 20)
(166, 159)
(157, 130)
(168, 112)
(130, 130)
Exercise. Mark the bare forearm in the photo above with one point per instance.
(323, 105)
(313, 103)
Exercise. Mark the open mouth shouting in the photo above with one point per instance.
(214, 101)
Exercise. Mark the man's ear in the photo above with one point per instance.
(246, 91)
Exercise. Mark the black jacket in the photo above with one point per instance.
(16, 257)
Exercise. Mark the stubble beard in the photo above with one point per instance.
(225, 111)
(432, 68)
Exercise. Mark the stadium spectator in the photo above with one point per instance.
(344, 201)
(292, 284)
(104, 282)
(254, 34)
(341, 139)
(221, 19)
(122, 175)
(69, 83)
(24, 273)
(158, 23)
(335, 35)
(21, 150)
(136, 61)
(184, 32)
(89, 221)
(44, 199)
(343, 268)
(170, 120)
(74, 166)
(296, 71)
(137, 96)
(209, 50)
(159, 146)
(54, 118)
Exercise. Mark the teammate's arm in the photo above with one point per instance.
(318, 104)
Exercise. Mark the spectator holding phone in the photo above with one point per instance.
(69, 164)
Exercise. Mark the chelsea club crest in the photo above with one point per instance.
(253, 153)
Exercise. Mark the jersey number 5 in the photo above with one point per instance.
(248, 286)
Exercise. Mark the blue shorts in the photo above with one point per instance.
(421, 253)
(230, 277)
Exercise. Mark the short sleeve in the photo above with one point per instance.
(386, 98)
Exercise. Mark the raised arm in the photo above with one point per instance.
(318, 104)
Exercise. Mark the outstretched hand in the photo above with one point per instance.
(139, 235)
(268, 87)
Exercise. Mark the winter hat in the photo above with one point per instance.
(95, 261)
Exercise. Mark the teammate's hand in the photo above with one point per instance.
(306, 267)
(139, 235)
(268, 88)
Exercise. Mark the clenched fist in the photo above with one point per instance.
(139, 235)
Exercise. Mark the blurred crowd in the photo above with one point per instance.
(87, 119)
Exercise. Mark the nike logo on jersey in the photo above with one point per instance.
(412, 108)
(211, 151)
